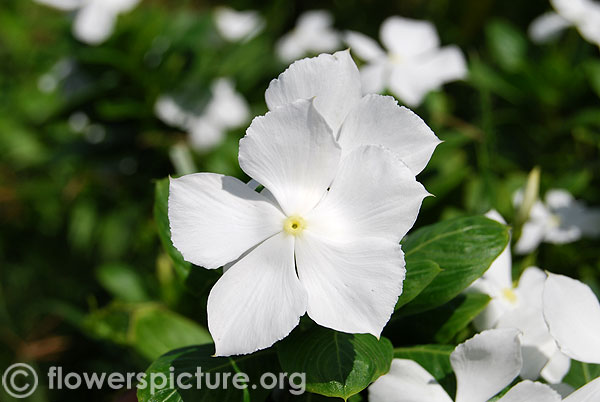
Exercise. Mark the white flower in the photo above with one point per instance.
(484, 365)
(582, 14)
(572, 312)
(226, 109)
(560, 219)
(95, 19)
(334, 83)
(238, 25)
(313, 34)
(414, 63)
(323, 237)
(521, 307)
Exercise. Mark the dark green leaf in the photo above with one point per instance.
(336, 364)
(188, 360)
(419, 274)
(464, 248)
(581, 373)
(467, 310)
(123, 282)
(433, 358)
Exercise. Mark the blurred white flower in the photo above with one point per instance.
(313, 34)
(582, 14)
(94, 19)
(227, 109)
(236, 25)
(323, 237)
(414, 63)
(572, 312)
(484, 365)
(334, 83)
(521, 307)
(560, 219)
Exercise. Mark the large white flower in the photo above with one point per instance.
(238, 25)
(226, 109)
(560, 219)
(582, 14)
(484, 365)
(334, 83)
(95, 19)
(521, 307)
(572, 312)
(321, 238)
(313, 34)
(413, 65)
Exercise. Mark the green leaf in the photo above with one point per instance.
(581, 373)
(462, 315)
(155, 331)
(336, 364)
(433, 358)
(464, 248)
(188, 360)
(507, 44)
(419, 274)
(123, 282)
(161, 217)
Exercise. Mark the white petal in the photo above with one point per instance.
(374, 76)
(215, 218)
(546, 27)
(557, 368)
(527, 391)
(408, 38)
(588, 393)
(227, 108)
(94, 23)
(485, 364)
(333, 80)
(532, 234)
(379, 120)
(407, 381)
(500, 272)
(363, 46)
(205, 134)
(291, 151)
(237, 25)
(410, 83)
(572, 313)
(314, 33)
(258, 301)
(374, 194)
(558, 198)
(65, 5)
(171, 113)
(289, 48)
(352, 285)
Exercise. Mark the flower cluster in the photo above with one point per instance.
(322, 236)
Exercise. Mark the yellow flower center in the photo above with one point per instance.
(509, 295)
(294, 225)
(396, 58)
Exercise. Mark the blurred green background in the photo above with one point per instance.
(84, 281)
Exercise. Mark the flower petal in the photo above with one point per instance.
(374, 194)
(572, 313)
(485, 364)
(500, 272)
(527, 391)
(258, 301)
(227, 108)
(333, 80)
(363, 46)
(236, 25)
(352, 285)
(557, 368)
(216, 218)
(379, 120)
(94, 23)
(546, 27)
(407, 37)
(588, 393)
(373, 77)
(291, 151)
(407, 381)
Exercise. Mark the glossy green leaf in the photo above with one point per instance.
(467, 309)
(336, 364)
(419, 274)
(185, 363)
(581, 373)
(464, 248)
(433, 358)
(123, 282)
